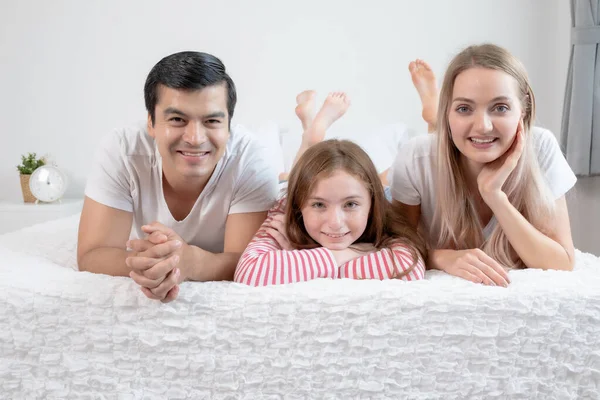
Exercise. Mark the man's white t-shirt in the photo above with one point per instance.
(127, 175)
(412, 178)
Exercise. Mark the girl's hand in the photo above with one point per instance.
(473, 265)
(346, 255)
(277, 230)
(494, 174)
(365, 248)
(356, 250)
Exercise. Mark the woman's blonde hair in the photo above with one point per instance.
(456, 214)
(385, 226)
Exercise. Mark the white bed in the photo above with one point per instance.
(70, 334)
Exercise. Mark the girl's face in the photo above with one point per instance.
(484, 114)
(337, 211)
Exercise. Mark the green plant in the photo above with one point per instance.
(30, 163)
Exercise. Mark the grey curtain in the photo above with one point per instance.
(580, 136)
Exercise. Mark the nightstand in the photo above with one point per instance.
(15, 215)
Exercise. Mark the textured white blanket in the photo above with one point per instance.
(69, 334)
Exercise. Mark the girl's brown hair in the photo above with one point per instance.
(385, 226)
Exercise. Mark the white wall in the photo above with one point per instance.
(70, 71)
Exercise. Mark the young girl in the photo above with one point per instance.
(488, 190)
(335, 221)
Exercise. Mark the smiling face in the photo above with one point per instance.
(191, 130)
(484, 114)
(336, 213)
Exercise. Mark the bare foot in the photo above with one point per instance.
(423, 79)
(305, 110)
(384, 177)
(283, 176)
(334, 107)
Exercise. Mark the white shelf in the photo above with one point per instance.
(15, 215)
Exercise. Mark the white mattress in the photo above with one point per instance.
(70, 334)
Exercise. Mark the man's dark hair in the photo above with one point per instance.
(188, 70)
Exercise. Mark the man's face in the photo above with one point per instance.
(191, 130)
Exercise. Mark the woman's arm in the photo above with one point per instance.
(471, 264)
(535, 249)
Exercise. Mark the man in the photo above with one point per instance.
(194, 192)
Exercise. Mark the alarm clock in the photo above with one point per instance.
(48, 183)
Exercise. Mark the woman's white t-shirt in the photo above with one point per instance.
(412, 177)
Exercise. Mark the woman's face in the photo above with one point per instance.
(484, 113)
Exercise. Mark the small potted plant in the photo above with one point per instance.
(29, 163)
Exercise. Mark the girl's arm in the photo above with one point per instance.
(265, 263)
(384, 264)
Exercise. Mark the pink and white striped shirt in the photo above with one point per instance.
(265, 263)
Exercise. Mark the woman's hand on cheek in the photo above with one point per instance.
(494, 174)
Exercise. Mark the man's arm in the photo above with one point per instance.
(190, 262)
(103, 232)
(239, 230)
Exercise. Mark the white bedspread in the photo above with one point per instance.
(69, 334)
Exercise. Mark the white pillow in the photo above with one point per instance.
(381, 144)
(268, 135)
